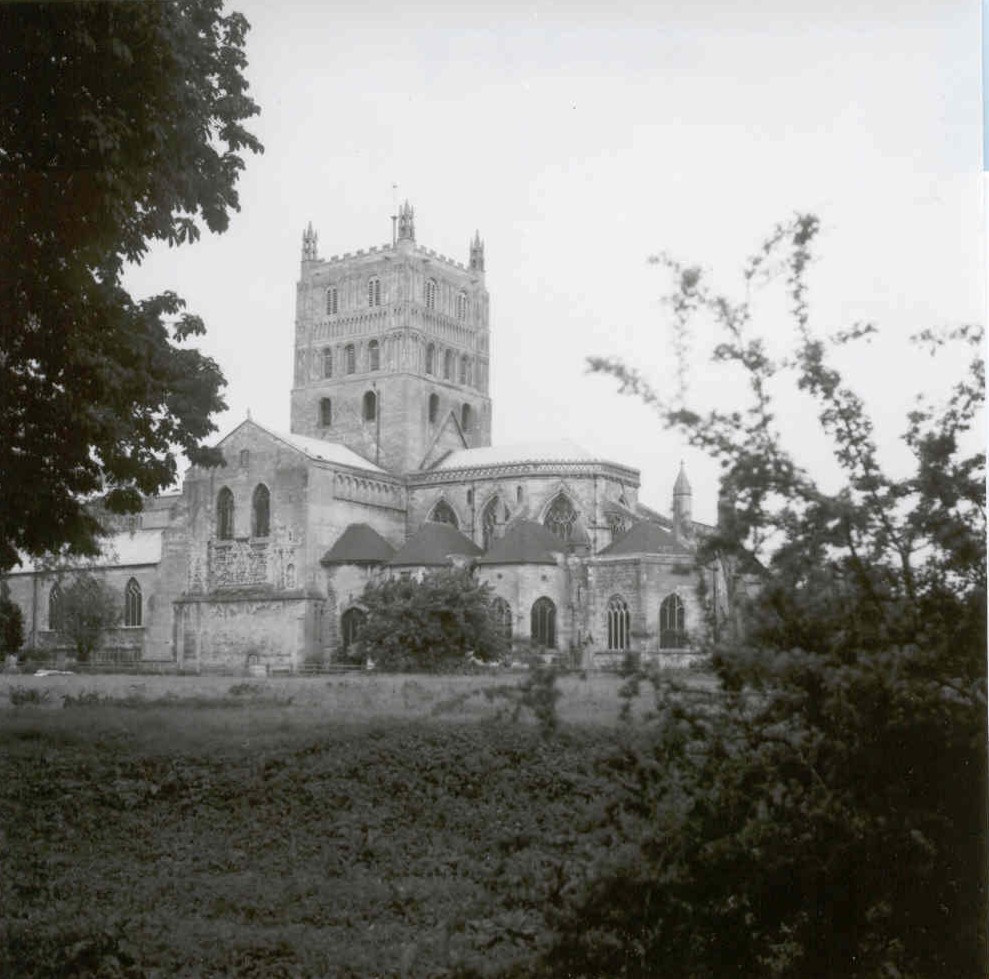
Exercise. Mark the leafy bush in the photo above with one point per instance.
(825, 815)
(89, 608)
(11, 623)
(26, 696)
(442, 622)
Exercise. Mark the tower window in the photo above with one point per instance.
(132, 604)
(245, 458)
(325, 412)
(465, 418)
(430, 359)
(465, 371)
(225, 514)
(374, 292)
(434, 408)
(370, 406)
(374, 355)
(327, 362)
(462, 306)
(261, 512)
(350, 357)
(430, 294)
(448, 365)
(332, 301)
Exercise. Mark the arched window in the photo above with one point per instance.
(462, 306)
(561, 517)
(434, 408)
(325, 412)
(448, 365)
(672, 623)
(443, 513)
(351, 623)
(430, 294)
(261, 512)
(618, 525)
(518, 494)
(489, 521)
(619, 624)
(245, 458)
(544, 623)
(350, 356)
(465, 418)
(370, 406)
(132, 604)
(470, 497)
(332, 305)
(290, 576)
(56, 617)
(225, 514)
(501, 616)
(374, 292)
(327, 362)
(430, 358)
(374, 355)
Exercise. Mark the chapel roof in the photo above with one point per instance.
(116, 551)
(317, 449)
(434, 544)
(524, 542)
(501, 455)
(360, 543)
(645, 537)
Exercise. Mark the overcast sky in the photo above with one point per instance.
(582, 138)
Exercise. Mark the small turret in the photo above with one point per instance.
(310, 240)
(682, 505)
(406, 223)
(477, 253)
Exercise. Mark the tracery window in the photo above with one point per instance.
(543, 624)
(325, 412)
(370, 406)
(225, 514)
(430, 294)
(462, 306)
(618, 525)
(489, 521)
(430, 358)
(327, 362)
(465, 418)
(619, 624)
(132, 604)
(672, 623)
(261, 511)
(350, 357)
(351, 623)
(561, 517)
(374, 292)
(434, 408)
(374, 355)
(501, 616)
(56, 610)
(448, 365)
(332, 301)
(444, 513)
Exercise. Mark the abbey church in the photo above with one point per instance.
(388, 469)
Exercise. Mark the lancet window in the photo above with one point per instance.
(543, 624)
(225, 514)
(132, 604)
(672, 623)
(619, 624)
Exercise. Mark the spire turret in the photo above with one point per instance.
(406, 222)
(477, 253)
(309, 244)
(682, 506)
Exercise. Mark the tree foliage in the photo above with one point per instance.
(436, 623)
(826, 814)
(120, 124)
(11, 622)
(90, 607)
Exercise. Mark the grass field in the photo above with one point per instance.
(298, 827)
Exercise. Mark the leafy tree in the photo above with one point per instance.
(825, 815)
(120, 124)
(90, 607)
(437, 623)
(11, 622)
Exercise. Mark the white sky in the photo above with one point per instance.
(581, 138)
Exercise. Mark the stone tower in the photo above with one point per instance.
(391, 350)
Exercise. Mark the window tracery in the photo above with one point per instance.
(561, 518)
(132, 604)
(619, 624)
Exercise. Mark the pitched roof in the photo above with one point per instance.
(359, 544)
(434, 544)
(500, 455)
(318, 449)
(525, 542)
(116, 551)
(645, 537)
